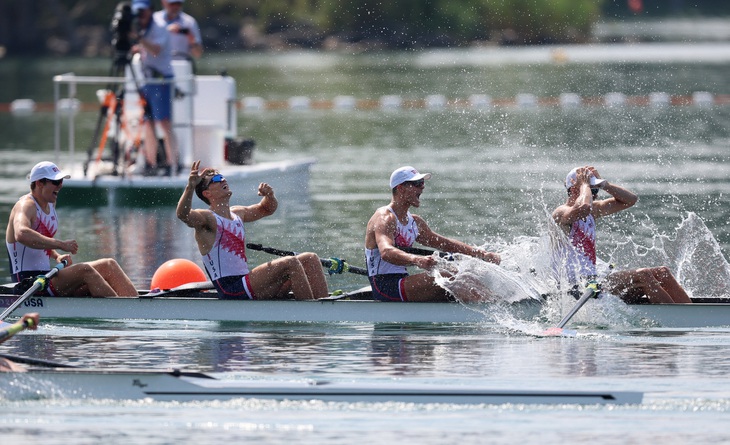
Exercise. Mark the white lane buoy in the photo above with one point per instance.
(570, 100)
(702, 99)
(615, 99)
(299, 103)
(480, 101)
(253, 103)
(22, 107)
(344, 103)
(436, 101)
(526, 100)
(659, 99)
(390, 101)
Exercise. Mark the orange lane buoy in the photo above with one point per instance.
(175, 273)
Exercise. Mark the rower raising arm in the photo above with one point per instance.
(220, 235)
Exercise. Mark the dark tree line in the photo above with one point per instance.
(81, 27)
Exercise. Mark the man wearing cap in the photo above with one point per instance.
(577, 220)
(185, 39)
(31, 245)
(155, 54)
(392, 227)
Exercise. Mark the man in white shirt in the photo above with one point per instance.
(156, 56)
(185, 39)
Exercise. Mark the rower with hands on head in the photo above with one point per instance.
(577, 219)
(27, 321)
(392, 227)
(220, 235)
(31, 244)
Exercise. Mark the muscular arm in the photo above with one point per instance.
(380, 233)
(566, 215)
(621, 199)
(201, 220)
(429, 238)
(21, 230)
(266, 207)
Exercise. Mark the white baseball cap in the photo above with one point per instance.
(46, 170)
(572, 178)
(406, 174)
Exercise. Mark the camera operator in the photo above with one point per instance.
(184, 31)
(153, 46)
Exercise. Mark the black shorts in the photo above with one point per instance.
(388, 287)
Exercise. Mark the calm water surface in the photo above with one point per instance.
(497, 175)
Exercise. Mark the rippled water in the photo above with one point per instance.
(497, 175)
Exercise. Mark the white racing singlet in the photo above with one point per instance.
(405, 236)
(581, 259)
(24, 258)
(227, 257)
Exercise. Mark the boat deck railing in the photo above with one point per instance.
(68, 105)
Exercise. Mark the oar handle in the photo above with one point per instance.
(40, 282)
(335, 265)
(426, 252)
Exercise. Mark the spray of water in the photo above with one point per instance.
(527, 275)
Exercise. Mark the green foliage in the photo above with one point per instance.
(67, 23)
(462, 20)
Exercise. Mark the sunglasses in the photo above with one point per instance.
(216, 178)
(55, 182)
(419, 183)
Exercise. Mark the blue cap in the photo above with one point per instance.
(138, 5)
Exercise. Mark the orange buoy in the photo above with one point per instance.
(175, 273)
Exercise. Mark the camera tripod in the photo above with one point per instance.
(111, 113)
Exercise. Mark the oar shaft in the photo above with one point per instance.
(590, 291)
(425, 252)
(324, 261)
(38, 284)
(36, 361)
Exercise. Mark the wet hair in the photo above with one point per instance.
(200, 188)
(203, 186)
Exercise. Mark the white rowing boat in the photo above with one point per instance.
(206, 128)
(181, 386)
(195, 302)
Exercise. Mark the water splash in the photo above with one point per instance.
(472, 280)
(692, 253)
(526, 275)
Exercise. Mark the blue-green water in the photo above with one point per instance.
(497, 175)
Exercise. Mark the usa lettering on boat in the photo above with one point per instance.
(33, 302)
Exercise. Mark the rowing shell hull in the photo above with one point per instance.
(213, 309)
(189, 386)
(327, 311)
